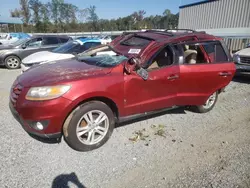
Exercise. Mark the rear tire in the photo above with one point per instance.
(85, 131)
(209, 104)
(12, 62)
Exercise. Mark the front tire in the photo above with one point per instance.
(90, 126)
(209, 104)
(12, 62)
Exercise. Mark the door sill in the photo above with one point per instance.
(137, 116)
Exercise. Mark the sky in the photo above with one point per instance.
(108, 9)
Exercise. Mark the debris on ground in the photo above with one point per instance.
(159, 130)
(139, 135)
(192, 145)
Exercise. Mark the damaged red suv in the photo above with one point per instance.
(83, 98)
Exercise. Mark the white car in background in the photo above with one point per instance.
(242, 61)
(65, 51)
(105, 39)
(12, 37)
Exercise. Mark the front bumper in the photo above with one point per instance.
(241, 68)
(24, 68)
(29, 130)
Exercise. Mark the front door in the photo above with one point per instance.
(207, 68)
(159, 90)
(31, 46)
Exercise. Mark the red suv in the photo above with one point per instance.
(138, 73)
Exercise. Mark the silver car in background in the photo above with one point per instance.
(12, 55)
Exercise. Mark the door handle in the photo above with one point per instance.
(173, 77)
(225, 74)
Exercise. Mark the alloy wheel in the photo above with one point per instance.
(13, 62)
(92, 127)
(210, 101)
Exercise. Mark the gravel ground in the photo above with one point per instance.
(190, 150)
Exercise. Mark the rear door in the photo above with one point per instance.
(206, 68)
(49, 43)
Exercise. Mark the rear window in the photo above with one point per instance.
(63, 40)
(136, 41)
(220, 53)
(216, 52)
(50, 40)
(88, 45)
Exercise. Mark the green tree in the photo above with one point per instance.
(45, 15)
(93, 18)
(25, 11)
(55, 6)
(138, 17)
(83, 14)
(35, 6)
(15, 13)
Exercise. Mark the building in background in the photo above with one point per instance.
(229, 19)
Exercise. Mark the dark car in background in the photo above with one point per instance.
(12, 55)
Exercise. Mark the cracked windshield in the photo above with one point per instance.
(125, 94)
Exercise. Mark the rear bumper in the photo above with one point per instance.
(29, 131)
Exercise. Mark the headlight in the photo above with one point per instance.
(31, 64)
(46, 92)
(236, 58)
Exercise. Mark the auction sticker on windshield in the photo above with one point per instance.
(134, 51)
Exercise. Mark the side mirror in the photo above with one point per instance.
(130, 65)
(133, 64)
(23, 46)
(142, 73)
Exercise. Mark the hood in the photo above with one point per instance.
(7, 41)
(60, 72)
(5, 46)
(244, 52)
(45, 56)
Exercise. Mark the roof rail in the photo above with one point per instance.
(129, 32)
(164, 32)
(183, 31)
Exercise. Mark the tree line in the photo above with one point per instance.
(58, 16)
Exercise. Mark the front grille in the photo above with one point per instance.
(245, 60)
(16, 90)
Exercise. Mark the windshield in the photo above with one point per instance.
(102, 55)
(19, 42)
(103, 60)
(68, 47)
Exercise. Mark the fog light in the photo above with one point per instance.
(39, 125)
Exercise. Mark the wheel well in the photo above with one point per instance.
(12, 55)
(105, 100)
(221, 90)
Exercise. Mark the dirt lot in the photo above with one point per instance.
(175, 149)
